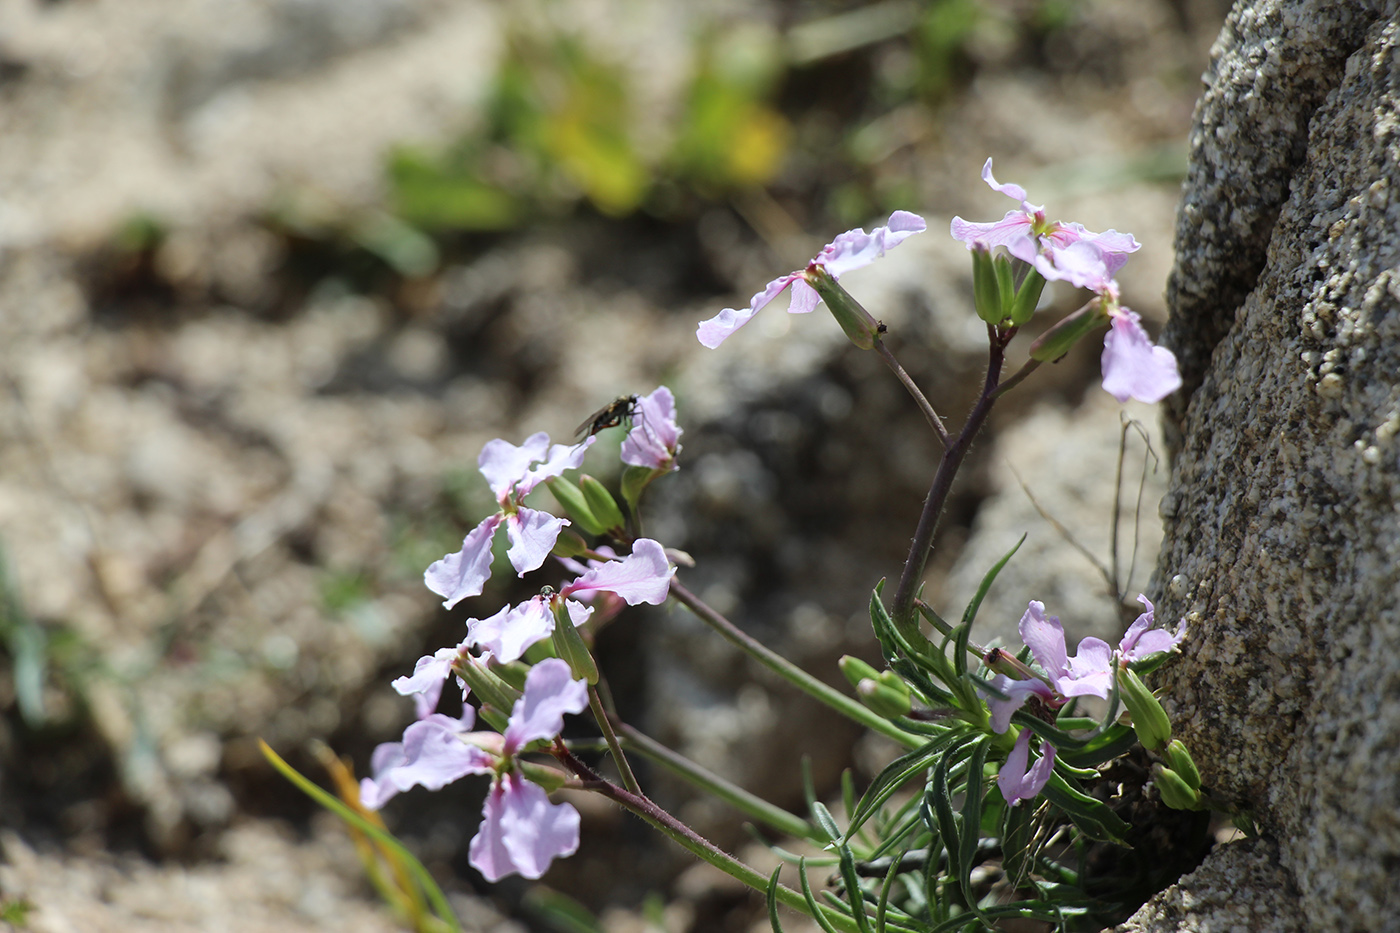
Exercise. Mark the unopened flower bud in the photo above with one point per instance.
(883, 698)
(859, 326)
(1150, 722)
(601, 503)
(1183, 764)
(856, 670)
(569, 544)
(1058, 340)
(1003, 662)
(1175, 791)
(486, 685)
(575, 505)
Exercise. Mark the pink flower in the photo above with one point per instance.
(1026, 233)
(1142, 641)
(1017, 692)
(425, 683)
(1016, 782)
(654, 440)
(511, 473)
(1088, 673)
(521, 831)
(851, 250)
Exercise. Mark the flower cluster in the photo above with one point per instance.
(1090, 672)
(521, 831)
(1132, 366)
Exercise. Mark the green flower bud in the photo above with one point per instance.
(635, 480)
(1176, 792)
(569, 645)
(551, 779)
(860, 327)
(884, 699)
(601, 503)
(1058, 340)
(856, 670)
(568, 544)
(572, 500)
(1150, 722)
(1183, 764)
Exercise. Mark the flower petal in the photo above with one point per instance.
(1142, 641)
(503, 464)
(432, 754)
(550, 692)
(1046, 638)
(644, 576)
(1015, 781)
(1015, 227)
(561, 457)
(1132, 366)
(655, 437)
(521, 831)
(1017, 692)
(465, 572)
(856, 248)
(532, 535)
(509, 632)
(1011, 191)
(1089, 672)
(717, 329)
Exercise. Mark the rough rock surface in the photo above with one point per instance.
(1282, 544)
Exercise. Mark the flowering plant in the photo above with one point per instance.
(1002, 782)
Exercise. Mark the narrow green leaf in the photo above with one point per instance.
(814, 909)
(854, 893)
(340, 809)
(824, 819)
(773, 901)
(970, 613)
(1092, 817)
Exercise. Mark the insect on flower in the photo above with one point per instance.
(609, 416)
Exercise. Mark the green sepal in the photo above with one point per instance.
(1027, 298)
(859, 326)
(487, 685)
(1183, 764)
(575, 505)
(551, 779)
(1150, 722)
(569, 644)
(635, 480)
(1058, 340)
(601, 503)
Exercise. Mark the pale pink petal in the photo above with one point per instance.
(1014, 228)
(532, 535)
(1017, 692)
(503, 464)
(644, 576)
(1081, 264)
(432, 754)
(717, 329)
(1089, 672)
(512, 630)
(425, 683)
(1046, 638)
(654, 439)
(521, 831)
(561, 457)
(1015, 782)
(1015, 192)
(465, 572)
(550, 692)
(1142, 641)
(1132, 366)
(804, 298)
(856, 248)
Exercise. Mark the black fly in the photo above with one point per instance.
(609, 416)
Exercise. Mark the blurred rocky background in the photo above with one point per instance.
(271, 274)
